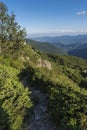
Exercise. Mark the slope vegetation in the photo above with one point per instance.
(45, 47)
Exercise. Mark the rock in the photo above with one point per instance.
(41, 120)
(37, 117)
(25, 43)
(43, 109)
(44, 63)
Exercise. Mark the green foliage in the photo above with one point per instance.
(66, 86)
(14, 99)
(11, 35)
(68, 107)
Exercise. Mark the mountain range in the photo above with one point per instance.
(66, 39)
(72, 45)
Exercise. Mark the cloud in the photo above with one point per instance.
(82, 12)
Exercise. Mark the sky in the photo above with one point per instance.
(50, 17)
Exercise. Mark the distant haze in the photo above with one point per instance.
(36, 35)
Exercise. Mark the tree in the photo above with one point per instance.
(3, 19)
(11, 34)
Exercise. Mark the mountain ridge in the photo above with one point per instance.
(65, 39)
(73, 45)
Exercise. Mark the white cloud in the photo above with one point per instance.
(82, 12)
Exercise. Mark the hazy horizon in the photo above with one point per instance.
(37, 35)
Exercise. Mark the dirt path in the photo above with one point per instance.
(39, 119)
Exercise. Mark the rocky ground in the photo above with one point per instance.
(39, 119)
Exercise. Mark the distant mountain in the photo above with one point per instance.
(64, 39)
(76, 49)
(82, 52)
(45, 47)
(72, 45)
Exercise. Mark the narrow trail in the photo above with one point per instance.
(39, 119)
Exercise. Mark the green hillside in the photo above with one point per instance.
(45, 47)
(62, 79)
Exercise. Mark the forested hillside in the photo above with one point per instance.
(62, 80)
(45, 47)
(72, 45)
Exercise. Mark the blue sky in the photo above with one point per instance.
(50, 17)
